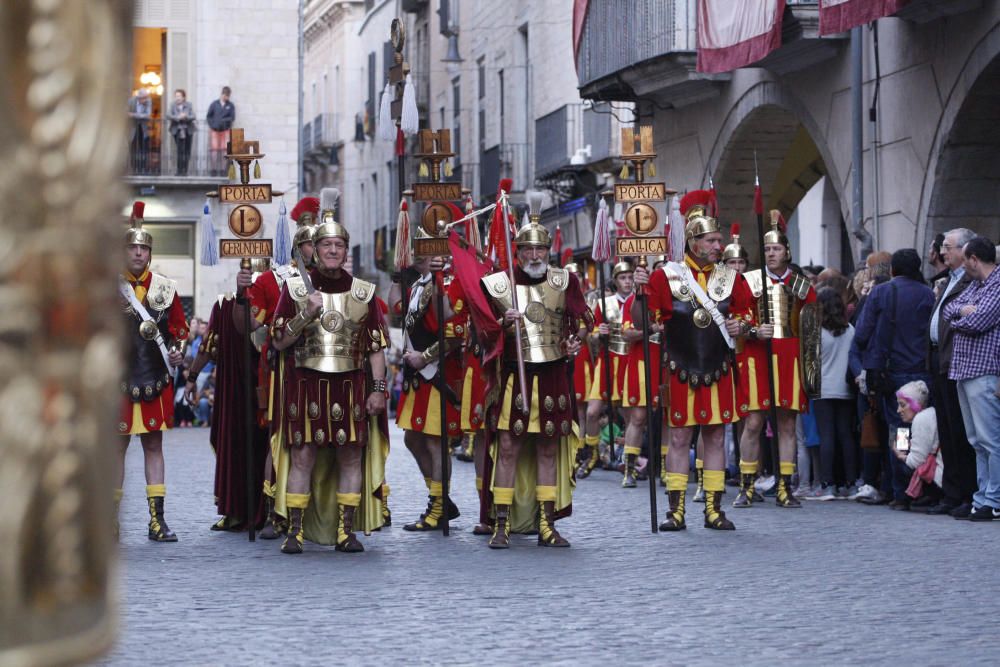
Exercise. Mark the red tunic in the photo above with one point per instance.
(420, 404)
(473, 407)
(599, 388)
(583, 373)
(704, 405)
(263, 297)
(551, 410)
(787, 369)
(136, 417)
(328, 408)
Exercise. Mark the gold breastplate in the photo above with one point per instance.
(783, 301)
(543, 307)
(334, 342)
(612, 314)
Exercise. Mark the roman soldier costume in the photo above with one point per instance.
(326, 385)
(419, 408)
(551, 305)
(154, 322)
(693, 301)
(262, 297)
(795, 367)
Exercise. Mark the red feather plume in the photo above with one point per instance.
(138, 208)
(695, 198)
(306, 205)
(506, 185)
(734, 229)
(567, 257)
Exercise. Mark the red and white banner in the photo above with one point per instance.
(579, 18)
(736, 34)
(842, 15)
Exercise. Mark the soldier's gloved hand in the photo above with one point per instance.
(375, 405)
(765, 331)
(640, 275)
(244, 279)
(511, 316)
(603, 329)
(436, 264)
(175, 358)
(314, 305)
(414, 359)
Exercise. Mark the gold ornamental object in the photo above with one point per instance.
(147, 330)
(64, 131)
(641, 218)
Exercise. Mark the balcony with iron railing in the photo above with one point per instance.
(652, 52)
(157, 156)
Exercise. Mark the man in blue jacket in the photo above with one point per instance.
(892, 333)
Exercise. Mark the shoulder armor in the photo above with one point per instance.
(720, 283)
(800, 285)
(754, 279)
(297, 288)
(362, 290)
(281, 274)
(161, 292)
(498, 285)
(558, 278)
(676, 283)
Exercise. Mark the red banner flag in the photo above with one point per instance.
(468, 272)
(837, 16)
(736, 34)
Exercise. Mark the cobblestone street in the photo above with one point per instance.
(833, 583)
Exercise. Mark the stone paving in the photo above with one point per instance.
(835, 583)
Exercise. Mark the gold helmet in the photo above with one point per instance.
(696, 206)
(304, 214)
(619, 268)
(533, 233)
(328, 227)
(136, 234)
(734, 250)
(777, 233)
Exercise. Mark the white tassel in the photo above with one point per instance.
(675, 231)
(386, 128)
(410, 121)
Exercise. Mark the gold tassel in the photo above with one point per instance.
(651, 172)
(624, 172)
(256, 169)
(423, 171)
(447, 169)
(232, 170)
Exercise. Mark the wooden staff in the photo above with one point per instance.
(521, 377)
(653, 460)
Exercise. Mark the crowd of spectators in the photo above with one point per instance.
(909, 414)
(199, 413)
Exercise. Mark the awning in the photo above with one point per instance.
(841, 15)
(736, 34)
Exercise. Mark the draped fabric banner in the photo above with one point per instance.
(737, 34)
(579, 18)
(842, 15)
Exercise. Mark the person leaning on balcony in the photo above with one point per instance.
(140, 111)
(181, 115)
(221, 114)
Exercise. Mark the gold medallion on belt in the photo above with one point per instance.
(701, 318)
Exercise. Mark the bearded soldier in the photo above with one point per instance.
(549, 306)
(333, 324)
(790, 299)
(696, 302)
(611, 315)
(419, 411)
(156, 334)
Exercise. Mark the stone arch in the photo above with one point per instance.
(963, 169)
(792, 156)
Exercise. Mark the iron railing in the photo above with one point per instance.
(154, 151)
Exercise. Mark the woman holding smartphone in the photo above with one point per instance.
(920, 440)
